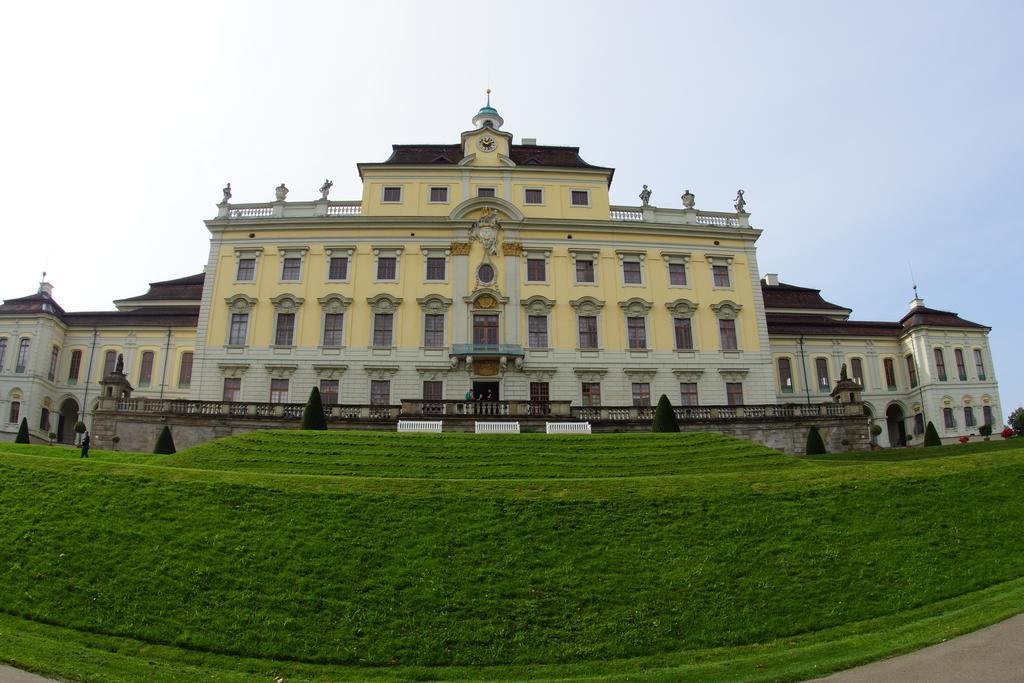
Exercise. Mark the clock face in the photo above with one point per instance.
(486, 143)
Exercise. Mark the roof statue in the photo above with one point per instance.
(325, 189)
(842, 374)
(280, 192)
(645, 195)
(740, 203)
(119, 367)
(688, 200)
(227, 194)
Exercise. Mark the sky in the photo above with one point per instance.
(873, 139)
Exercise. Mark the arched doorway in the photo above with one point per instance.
(897, 427)
(67, 420)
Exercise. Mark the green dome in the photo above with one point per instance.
(488, 109)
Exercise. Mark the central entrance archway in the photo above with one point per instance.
(897, 427)
(67, 420)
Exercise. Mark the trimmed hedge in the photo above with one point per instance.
(313, 414)
(815, 444)
(664, 417)
(22, 432)
(165, 442)
(931, 436)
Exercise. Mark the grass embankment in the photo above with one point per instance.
(357, 555)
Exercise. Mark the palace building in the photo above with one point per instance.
(486, 275)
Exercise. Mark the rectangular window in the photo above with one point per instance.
(246, 270)
(539, 392)
(439, 194)
(890, 373)
(433, 329)
(687, 393)
(380, 392)
(940, 365)
(677, 274)
(727, 330)
(485, 329)
(588, 331)
(232, 389)
(15, 411)
(334, 325)
(734, 393)
(631, 274)
(948, 419)
(785, 376)
(285, 334)
(329, 392)
(185, 371)
(961, 366)
(485, 192)
(238, 329)
(911, 370)
(3, 352)
(387, 267)
(278, 391)
(979, 365)
(641, 394)
(720, 275)
(536, 270)
(433, 390)
(919, 424)
(591, 394)
(392, 194)
(109, 362)
(338, 268)
(538, 331)
(23, 357)
(968, 416)
(291, 268)
(54, 357)
(636, 332)
(75, 366)
(532, 196)
(585, 271)
(580, 198)
(383, 325)
(986, 415)
(683, 328)
(435, 268)
(821, 371)
(857, 370)
(146, 369)
(44, 419)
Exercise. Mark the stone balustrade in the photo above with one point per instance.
(655, 214)
(248, 410)
(786, 411)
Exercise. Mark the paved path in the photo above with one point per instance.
(9, 675)
(991, 655)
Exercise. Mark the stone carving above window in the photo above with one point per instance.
(688, 375)
(334, 303)
(384, 303)
(538, 305)
(286, 303)
(682, 308)
(278, 371)
(434, 303)
(240, 303)
(329, 370)
(726, 310)
(635, 306)
(586, 305)
(232, 370)
(733, 374)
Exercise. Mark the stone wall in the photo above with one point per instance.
(138, 432)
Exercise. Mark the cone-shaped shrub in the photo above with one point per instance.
(664, 417)
(164, 442)
(931, 437)
(22, 432)
(815, 445)
(313, 414)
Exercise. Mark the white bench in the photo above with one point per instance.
(419, 425)
(566, 427)
(496, 427)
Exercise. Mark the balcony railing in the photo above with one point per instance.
(253, 410)
(487, 350)
(656, 214)
(705, 413)
(511, 409)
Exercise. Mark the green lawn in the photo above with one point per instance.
(353, 555)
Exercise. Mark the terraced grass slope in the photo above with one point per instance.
(356, 555)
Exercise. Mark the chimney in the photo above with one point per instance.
(916, 302)
(771, 279)
(46, 288)
(529, 141)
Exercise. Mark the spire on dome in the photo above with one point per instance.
(488, 116)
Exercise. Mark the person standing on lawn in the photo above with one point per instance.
(85, 444)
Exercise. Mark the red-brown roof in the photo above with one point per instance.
(923, 316)
(156, 316)
(783, 295)
(188, 288)
(40, 302)
(823, 326)
(522, 155)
